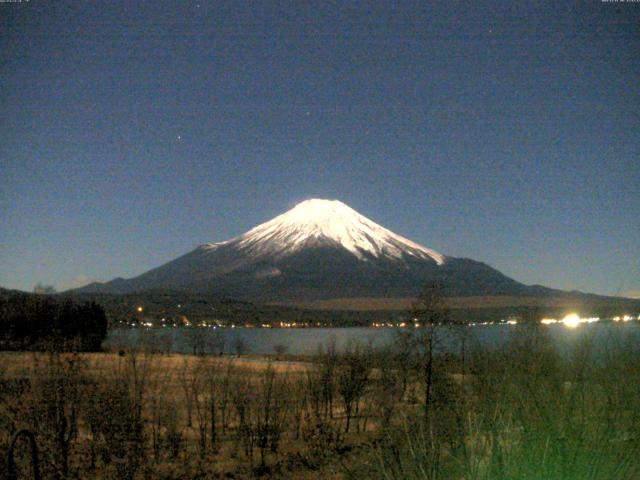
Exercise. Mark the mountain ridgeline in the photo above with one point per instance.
(320, 250)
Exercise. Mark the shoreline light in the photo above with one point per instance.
(571, 321)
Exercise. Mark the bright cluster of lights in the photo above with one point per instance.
(387, 325)
(292, 324)
(571, 320)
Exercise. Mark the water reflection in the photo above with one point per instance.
(304, 341)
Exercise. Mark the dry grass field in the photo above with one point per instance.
(523, 412)
(150, 415)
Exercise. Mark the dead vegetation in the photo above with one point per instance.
(523, 412)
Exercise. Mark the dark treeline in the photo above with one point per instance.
(36, 322)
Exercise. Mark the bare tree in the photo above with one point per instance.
(224, 396)
(240, 346)
(430, 311)
(270, 412)
(55, 404)
(197, 385)
(160, 411)
(352, 376)
(390, 383)
(197, 339)
(242, 400)
(280, 349)
(186, 377)
(116, 413)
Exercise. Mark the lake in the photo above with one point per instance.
(307, 340)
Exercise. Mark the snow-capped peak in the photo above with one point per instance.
(319, 221)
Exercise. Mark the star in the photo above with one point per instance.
(179, 137)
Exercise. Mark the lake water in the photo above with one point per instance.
(307, 340)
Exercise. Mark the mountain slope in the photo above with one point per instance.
(320, 249)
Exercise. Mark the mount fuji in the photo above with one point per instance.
(319, 250)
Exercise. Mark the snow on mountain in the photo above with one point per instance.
(326, 222)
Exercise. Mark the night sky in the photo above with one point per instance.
(507, 132)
